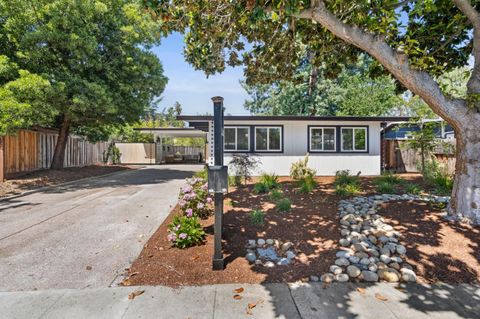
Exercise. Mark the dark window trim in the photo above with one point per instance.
(309, 127)
(282, 132)
(338, 139)
(367, 139)
(249, 139)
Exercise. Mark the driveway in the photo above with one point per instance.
(86, 233)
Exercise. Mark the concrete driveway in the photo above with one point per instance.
(86, 233)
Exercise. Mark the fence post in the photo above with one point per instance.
(2, 159)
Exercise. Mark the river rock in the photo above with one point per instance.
(261, 242)
(328, 277)
(353, 271)
(342, 262)
(341, 277)
(408, 275)
(389, 274)
(369, 276)
(335, 269)
(251, 257)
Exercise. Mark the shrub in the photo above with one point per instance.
(194, 196)
(389, 178)
(437, 175)
(234, 180)
(385, 187)
(413, 189)
(300, 170)
(345, 190)
(244, 166)
(343, 177)
(257, 217)
(276, 195)
(203, 174)
(266, 183)
(185, 231)
(112, 154)
(284, 205)
(307, 184)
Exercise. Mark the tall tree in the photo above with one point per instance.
(413, 40)
(95, 56)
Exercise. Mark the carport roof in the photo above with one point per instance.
(173, 131)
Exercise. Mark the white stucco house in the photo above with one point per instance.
(334, 143)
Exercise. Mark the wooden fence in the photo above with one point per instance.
(30, 150)
(401, 159)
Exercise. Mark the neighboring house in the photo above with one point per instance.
(334, 143)
(403, 130)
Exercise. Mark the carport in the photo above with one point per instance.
(165, 152)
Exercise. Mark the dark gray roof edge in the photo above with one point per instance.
(294, 118)
(165, 129)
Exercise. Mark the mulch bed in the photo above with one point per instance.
(30, 181)
(439, 250)
(311, 226)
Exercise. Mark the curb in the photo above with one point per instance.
(41, 189)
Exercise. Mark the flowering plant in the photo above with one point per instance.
(185, 231)
(194, 198)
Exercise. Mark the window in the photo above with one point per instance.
(237, 139)
(322, 139)
(268, 139)
(354, 139)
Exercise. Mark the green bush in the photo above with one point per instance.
(185, 231)
(267, 183)
(389, 178)
(385, 187)
(257, 217)
(276, 195)
(414, 189)
(284, 205)
(307, 184)
(235, 180)
(437, 175)
(344, 190)
(300, 170)
(203, 174)
(343, 177)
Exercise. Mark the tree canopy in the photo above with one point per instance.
(353, 92)
(93, 56)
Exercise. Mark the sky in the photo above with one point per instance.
(192, 88)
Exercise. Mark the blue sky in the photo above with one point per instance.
(192, 88)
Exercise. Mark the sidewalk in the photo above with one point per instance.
(379, 301)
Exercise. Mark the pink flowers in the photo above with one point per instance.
(171, 237)
(209, 200)
(189, 212)
(200, 205)
(182, 236)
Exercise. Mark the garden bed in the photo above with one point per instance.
(312, 226)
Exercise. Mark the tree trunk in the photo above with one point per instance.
(465, 201)
(59, 154)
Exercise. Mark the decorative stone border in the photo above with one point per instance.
(269, 253)
(371, 250)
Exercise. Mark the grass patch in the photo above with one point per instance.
(347, 189)
(386, 187)
(276, 195)
(267, 183)
(413, 189)
(284, 205)
(257, 217)
(307, 184)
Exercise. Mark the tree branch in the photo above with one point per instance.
(396, 63)
(473, 15)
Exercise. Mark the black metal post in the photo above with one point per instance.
(218, 261)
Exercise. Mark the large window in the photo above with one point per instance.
(237, 139)
(322, 139)
(268, 139)
(354, 139)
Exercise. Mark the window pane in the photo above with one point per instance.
(261, 139)
(230, 138)
(360, 142)
(329, 139)
(242, 139)
(347, 139)
(316, 136)
(274, 139)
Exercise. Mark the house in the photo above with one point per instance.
(403, 130)
(333, 142)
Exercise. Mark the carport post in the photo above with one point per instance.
(2, 160)
(218, 261)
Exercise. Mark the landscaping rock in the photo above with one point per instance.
(261, 242)
(408, 275)
(353, 271)
(342, 262)
(251, 257)
(335, 269)
(314, 278)
(269, 241)
(283, 262)
(327, 278)
(344, 242)
(369, 276)
(269, 264)
(341, 277)
(389, 274)
(286, 246)
(290, 254)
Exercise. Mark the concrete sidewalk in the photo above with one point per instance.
(271, 300)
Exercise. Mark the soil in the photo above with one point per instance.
(34, 180)
(312, 226)
(439, 250)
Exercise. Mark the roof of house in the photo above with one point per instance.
(173, 131)
(204, 118)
